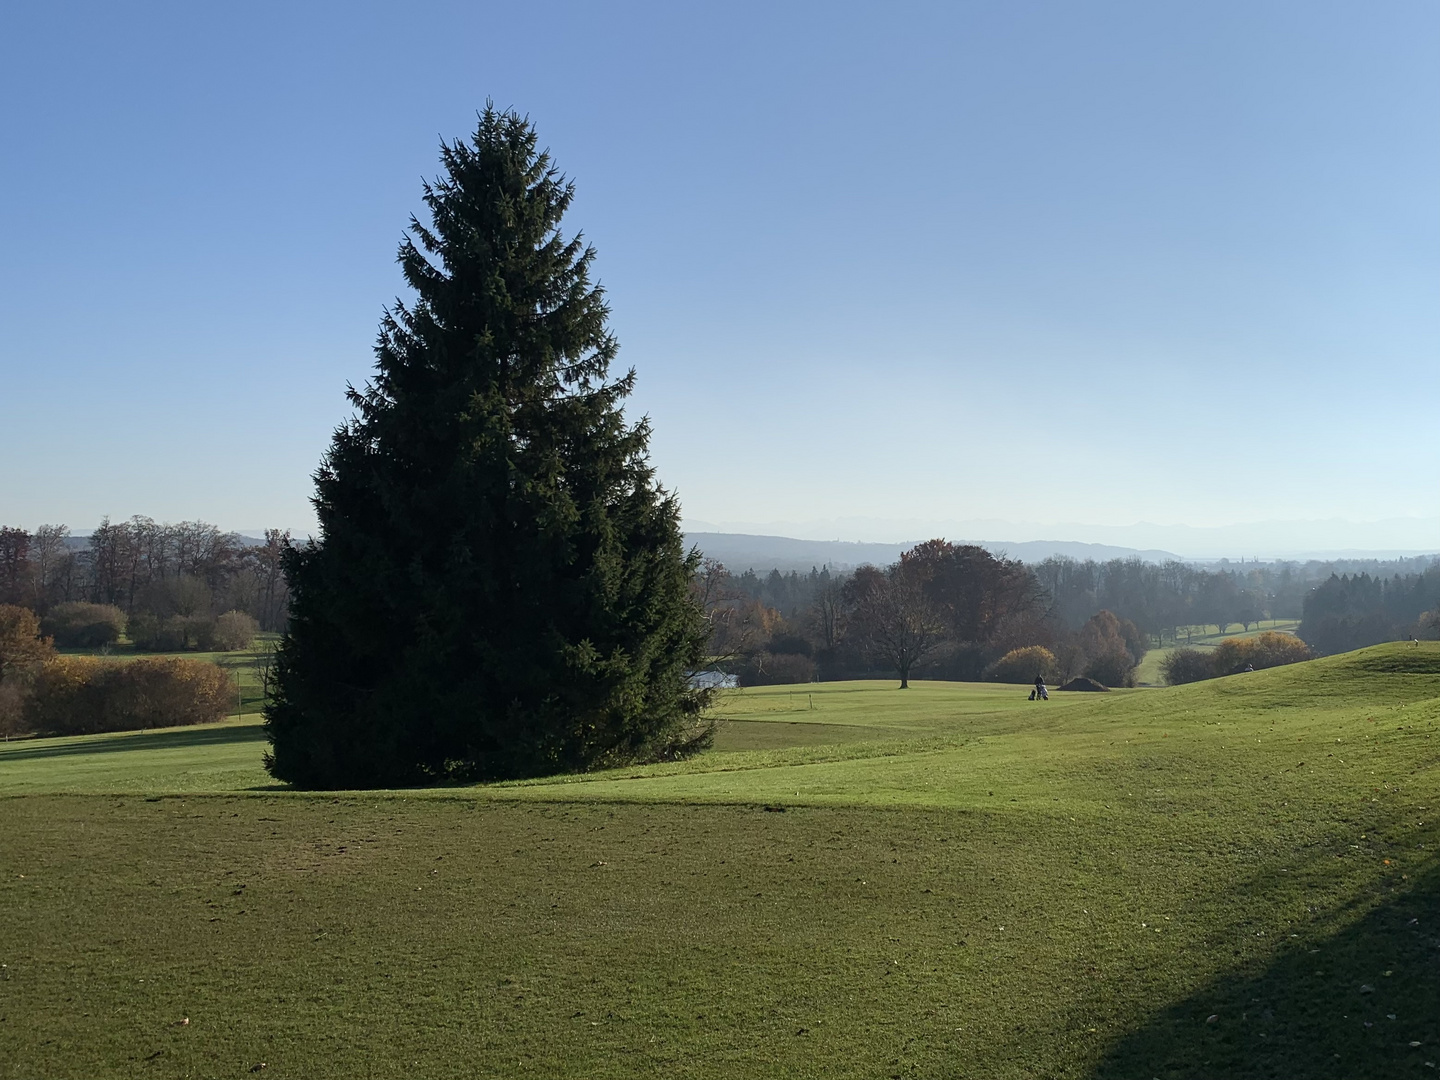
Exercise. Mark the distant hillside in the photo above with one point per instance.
(741, 551)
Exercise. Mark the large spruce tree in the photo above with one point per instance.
(500, 587)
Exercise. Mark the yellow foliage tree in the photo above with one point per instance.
(1266, 650)
(75, 695)
(1022, 665)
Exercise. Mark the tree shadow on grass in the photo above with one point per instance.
(169, 739)
(1361, 1003)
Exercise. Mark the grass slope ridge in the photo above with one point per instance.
(962, 883)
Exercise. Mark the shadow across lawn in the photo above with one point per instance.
(168, 739)
(1362, 1003)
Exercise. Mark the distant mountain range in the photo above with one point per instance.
(763, 552)
(743, 551)
(1299, 540)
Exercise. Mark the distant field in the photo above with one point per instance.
(1204, 638)
(1236, 878)
(1210, 634)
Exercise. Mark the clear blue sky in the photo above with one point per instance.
(1077, 262)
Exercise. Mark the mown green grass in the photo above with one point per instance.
(212, 758)
(943, 882)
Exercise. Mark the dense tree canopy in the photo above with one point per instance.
(1349, 612)
(500, 586)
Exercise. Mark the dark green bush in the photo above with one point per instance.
(173, 634)
(1114, 666)
(1186, 666)
(231, 631)
(84, 626)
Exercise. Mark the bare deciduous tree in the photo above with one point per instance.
(828, 613)
(894, 618)
(53, 567)
(266, 562)
(14, 564)
(264, 667)
(738, 624)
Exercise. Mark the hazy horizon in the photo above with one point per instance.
(1263, 540)
(1274, 539)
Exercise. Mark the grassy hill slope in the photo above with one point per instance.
(1234, 878)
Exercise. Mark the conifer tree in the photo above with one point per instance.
(500, 586)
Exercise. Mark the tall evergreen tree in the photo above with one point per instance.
(500, 586)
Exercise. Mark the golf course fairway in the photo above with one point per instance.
(1235, 878)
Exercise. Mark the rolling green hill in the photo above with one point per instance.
(1236, 878)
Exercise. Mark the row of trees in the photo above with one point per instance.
(789, 627)
(1167, 600)
(1349, 612)
(174, 585)
(953, 610)
(78, 625)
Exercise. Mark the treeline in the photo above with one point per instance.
(1169, 600)
(169, 586)
(969, 609)
(953, 611)
(1349, 612)
(1165, 600)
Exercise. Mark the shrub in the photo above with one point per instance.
(21, 646)
(1262, 651)
(1022, 665)
(65, 693)
(231, 631)
(1273, 649)
(1109, 657)
(1185, 666)
(1137, 642)
(76, 695)
(773, 669)
(84, 626)
(149, 632)
(154, 634)
(1113, 666)
(1069, 657)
